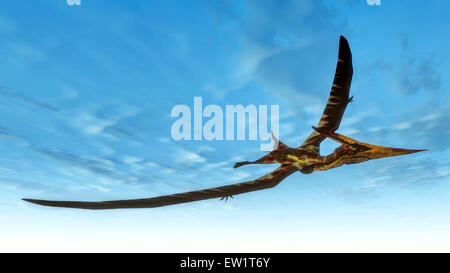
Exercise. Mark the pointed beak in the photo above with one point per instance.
(364, 149)
(380, 151)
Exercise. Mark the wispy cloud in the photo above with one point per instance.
(188, 158)
(7, 92)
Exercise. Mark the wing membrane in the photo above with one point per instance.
(339, 95)
(267, 181)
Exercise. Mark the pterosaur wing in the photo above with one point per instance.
(267, 181)
(338, 99)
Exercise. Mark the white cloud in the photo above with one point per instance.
(314, 109)
(360, 116)
(429, 117)
(187, 158)
(86, 120)
(131, 159)
(164, 139)
(152, 165)
(375, 129)
(349, 131)
(99, 188)
(205, 148)
(402, 125)
(90, 124)
(240, 175)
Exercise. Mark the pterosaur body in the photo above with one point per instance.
(305, 158)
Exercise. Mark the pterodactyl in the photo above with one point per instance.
(305, 158)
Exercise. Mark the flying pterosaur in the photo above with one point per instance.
(305, 158)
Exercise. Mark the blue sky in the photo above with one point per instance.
(86, 93)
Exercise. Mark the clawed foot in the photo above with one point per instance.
(226, 197)
(350, 99)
